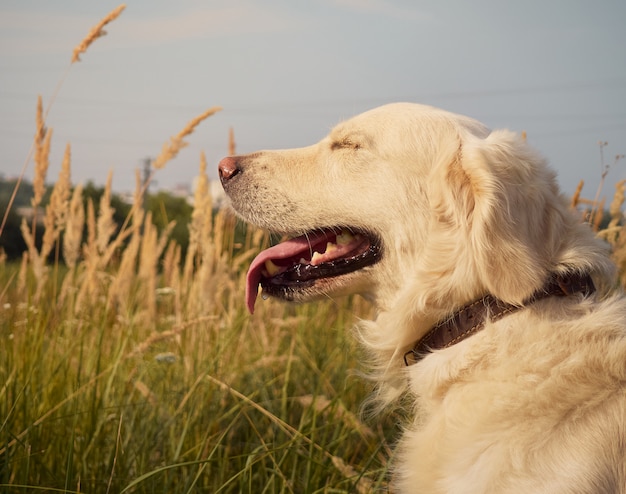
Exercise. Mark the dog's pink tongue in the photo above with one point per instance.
(296, 247)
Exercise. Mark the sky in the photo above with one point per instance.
(286, 71)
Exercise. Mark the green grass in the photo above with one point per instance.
(98, 401)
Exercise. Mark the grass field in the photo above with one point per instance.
(129, 369)
(139, 377)
(125, 368)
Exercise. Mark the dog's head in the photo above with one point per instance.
(404, 203)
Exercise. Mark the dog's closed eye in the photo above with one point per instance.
(345, 143)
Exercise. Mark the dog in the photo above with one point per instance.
(498, 315)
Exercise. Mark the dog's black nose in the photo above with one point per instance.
(228, 168)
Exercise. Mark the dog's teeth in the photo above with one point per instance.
(344, 238)
(271, 268)
(315, 259)
(330, 247)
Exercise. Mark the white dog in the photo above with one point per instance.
(494, 312)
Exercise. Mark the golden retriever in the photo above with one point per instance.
(496, 311)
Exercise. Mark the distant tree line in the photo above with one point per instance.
(164, 208)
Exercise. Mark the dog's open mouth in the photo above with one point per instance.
(300, 262)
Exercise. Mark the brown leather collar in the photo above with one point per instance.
(471, 318)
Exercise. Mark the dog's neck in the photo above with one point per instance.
(472, 318)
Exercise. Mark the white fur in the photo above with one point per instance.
(536, 402)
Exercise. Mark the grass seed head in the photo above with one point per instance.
(106, 224)
(57, 209)
(95, 33)
(43, 137)
(170, 149)
(74, 228)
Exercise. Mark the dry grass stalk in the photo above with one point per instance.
(615, 209)
(43, 138)
(615, 233)
(42, 153)
(323, 405)
(152, 246)
(29, 239)
(88, 282)
(596, 220)
(200, 216)
(592, 211)
(137, 211)
(171, 265)
(604, 172)
(62, 200)
(576, 197)
(363, 485)
(57, 209)
(171, 276)
(160, 336)
(106, 224)
(146, 393)
(72, 240)
(73, 237)
(122, 284)
(112, 247)
(171, 262)
(99, 248)
(170, 149)
(90, 250)
(95, 33)
(220, 262)
(40, 270)
(213, 263)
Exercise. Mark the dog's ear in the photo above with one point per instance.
(517, 217)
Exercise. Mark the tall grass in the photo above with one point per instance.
(125, 368)
(129, 369)
(126, 376)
